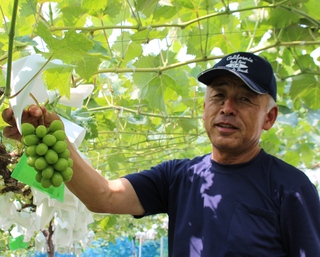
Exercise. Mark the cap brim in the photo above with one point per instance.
(209, 75)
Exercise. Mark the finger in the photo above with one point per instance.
(7, 116)
(33, 115)
(12, 132)
(36, 111)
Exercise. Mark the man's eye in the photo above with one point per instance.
(245, 99)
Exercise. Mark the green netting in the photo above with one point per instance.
(26, 174)
(17, 243)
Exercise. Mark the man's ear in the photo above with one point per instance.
(270, 118)
(204, 106)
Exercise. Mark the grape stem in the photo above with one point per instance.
(37, 103)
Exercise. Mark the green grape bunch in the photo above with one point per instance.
(47, 152)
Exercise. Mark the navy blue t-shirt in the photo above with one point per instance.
(261, 208)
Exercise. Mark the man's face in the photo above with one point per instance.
(234, 116)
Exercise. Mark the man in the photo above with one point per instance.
(237, 200)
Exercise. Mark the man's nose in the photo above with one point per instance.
(228, 107)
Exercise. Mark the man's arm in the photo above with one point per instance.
(99, 194)
(96, 192)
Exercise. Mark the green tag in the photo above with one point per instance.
(26, 174)
(17, 243)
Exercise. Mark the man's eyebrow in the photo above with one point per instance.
(219, 83)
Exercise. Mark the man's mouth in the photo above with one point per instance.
(222, 125)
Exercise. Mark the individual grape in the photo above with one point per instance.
(41, 131)
(31, 150)
(31, 160)
(49, 140)
(56, 179)
(27, 129)
(60, 135)
(41, 149)
(67, 174)
(55, 125)
(61, 164)
(38, 177)
(60, 146)
(47, 172)
(51, 156)
(40, 163)
(70, 162)
(45, 183)
(30, 140)
(65, 154)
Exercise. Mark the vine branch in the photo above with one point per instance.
(10, 48)
(181, 25)
(160, 69)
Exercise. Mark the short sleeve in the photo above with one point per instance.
(151, 187)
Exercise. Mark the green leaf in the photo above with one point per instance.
(307, 154)
(165, 13)
(153, 92)
(188, 125)
(72, 47)
(185, 3)
(99, 49)
(113, 8)
(296, 32)
(93, 6)
(280, 18)
(292, 158)
(86, 120)
(73, 15)
(146, 35)
(121, 44)
(28, 8)
(108, 222)
(270, 141)
(114, 160)
(147, 62)
(134, 50)
(146, 7)
(304, 62)
(313, 8)
(177, 81)
(307, 89)
(58, 79)
(87, 66)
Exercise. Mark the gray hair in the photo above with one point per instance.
(271, 103)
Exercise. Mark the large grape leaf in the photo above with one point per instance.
(307, 89)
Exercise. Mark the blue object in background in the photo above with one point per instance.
(123, 247)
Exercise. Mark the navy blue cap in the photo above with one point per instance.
(255, 72)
